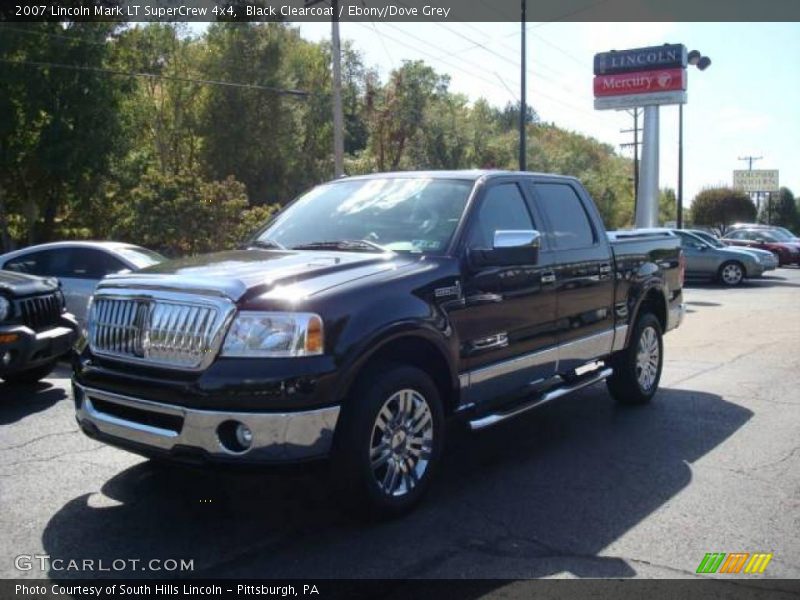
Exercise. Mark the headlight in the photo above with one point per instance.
(274, 334)
(5, 308)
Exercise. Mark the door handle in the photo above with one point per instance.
(498, 340)
(548, 277)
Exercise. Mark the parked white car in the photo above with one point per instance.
(79, 266)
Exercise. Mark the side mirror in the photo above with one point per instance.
(510, 248)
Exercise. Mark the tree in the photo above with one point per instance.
(721, 207)
(60, 126)
(781, 210)
(667, 206)
(181, 214)
(397, 112)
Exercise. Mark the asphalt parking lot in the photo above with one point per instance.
(578, 488)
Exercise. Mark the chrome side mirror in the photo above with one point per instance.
(516, 238)
(509, 248)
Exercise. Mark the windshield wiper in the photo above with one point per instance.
(267, 244)
(346, 245)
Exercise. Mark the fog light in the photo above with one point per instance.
(234, 436)
(243, 435)
(6, 359)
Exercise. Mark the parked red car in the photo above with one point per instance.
(788, 252)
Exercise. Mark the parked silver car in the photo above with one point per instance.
(726, 265)
(765, 257)
(79, 266)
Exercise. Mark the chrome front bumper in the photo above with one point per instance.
(676, 316)
(145, 425)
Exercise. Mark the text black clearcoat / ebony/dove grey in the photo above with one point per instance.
(366, 313)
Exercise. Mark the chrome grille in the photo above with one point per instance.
(40, 312)
(174, 331)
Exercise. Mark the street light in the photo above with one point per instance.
(702, 63)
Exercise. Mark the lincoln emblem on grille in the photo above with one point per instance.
(141, 328)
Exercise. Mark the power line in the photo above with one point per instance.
(252, 86)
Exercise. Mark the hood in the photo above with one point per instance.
(22, 284)
(751, 252)
(247, 273)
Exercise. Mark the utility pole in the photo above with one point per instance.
(523, 163)
(750, 160)
(635, 145)
(338, 118)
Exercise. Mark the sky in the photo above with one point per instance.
(747, 103)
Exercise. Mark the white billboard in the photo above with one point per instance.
(756, 180)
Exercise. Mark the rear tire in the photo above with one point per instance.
(637, 368)
(30, 376)
(731, 273)
(388, 441)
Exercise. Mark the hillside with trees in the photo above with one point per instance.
(185, 143)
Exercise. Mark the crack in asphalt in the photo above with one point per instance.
(37, 439)
(49, 458)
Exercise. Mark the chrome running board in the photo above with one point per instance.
(494, 418)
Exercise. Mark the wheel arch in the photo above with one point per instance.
(419, 349)
(652, 300)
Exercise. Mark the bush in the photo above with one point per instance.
(721, 207)
(182, 214)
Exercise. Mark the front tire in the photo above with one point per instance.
(637, 368)
(388, 441)
(30, 376)
(731, 274)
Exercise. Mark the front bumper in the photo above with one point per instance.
(197, 436)
(28, 349)
(755, 269)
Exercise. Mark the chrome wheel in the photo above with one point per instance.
(732, 274)
(647, 358)
(401, 442)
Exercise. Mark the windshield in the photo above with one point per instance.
(709, 239)
(140, 257)
(397, 213)
(778, 235)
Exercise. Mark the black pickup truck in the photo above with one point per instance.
(367, 312)
(35, 329)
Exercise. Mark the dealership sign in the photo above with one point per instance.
(758, 180)
(640, 77)
(640, 82)
(668, 56)
(636, 100)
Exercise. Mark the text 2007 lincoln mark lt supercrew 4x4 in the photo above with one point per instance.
(366, 313)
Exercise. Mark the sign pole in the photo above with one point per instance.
(647, 207)
(523, 109)
(679, 211)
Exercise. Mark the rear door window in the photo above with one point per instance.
(570, 227)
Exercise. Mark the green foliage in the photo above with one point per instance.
(163, 157)
(181, 214)
(780, 210)
(667, 206)
(59, 126)
(721, 207)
